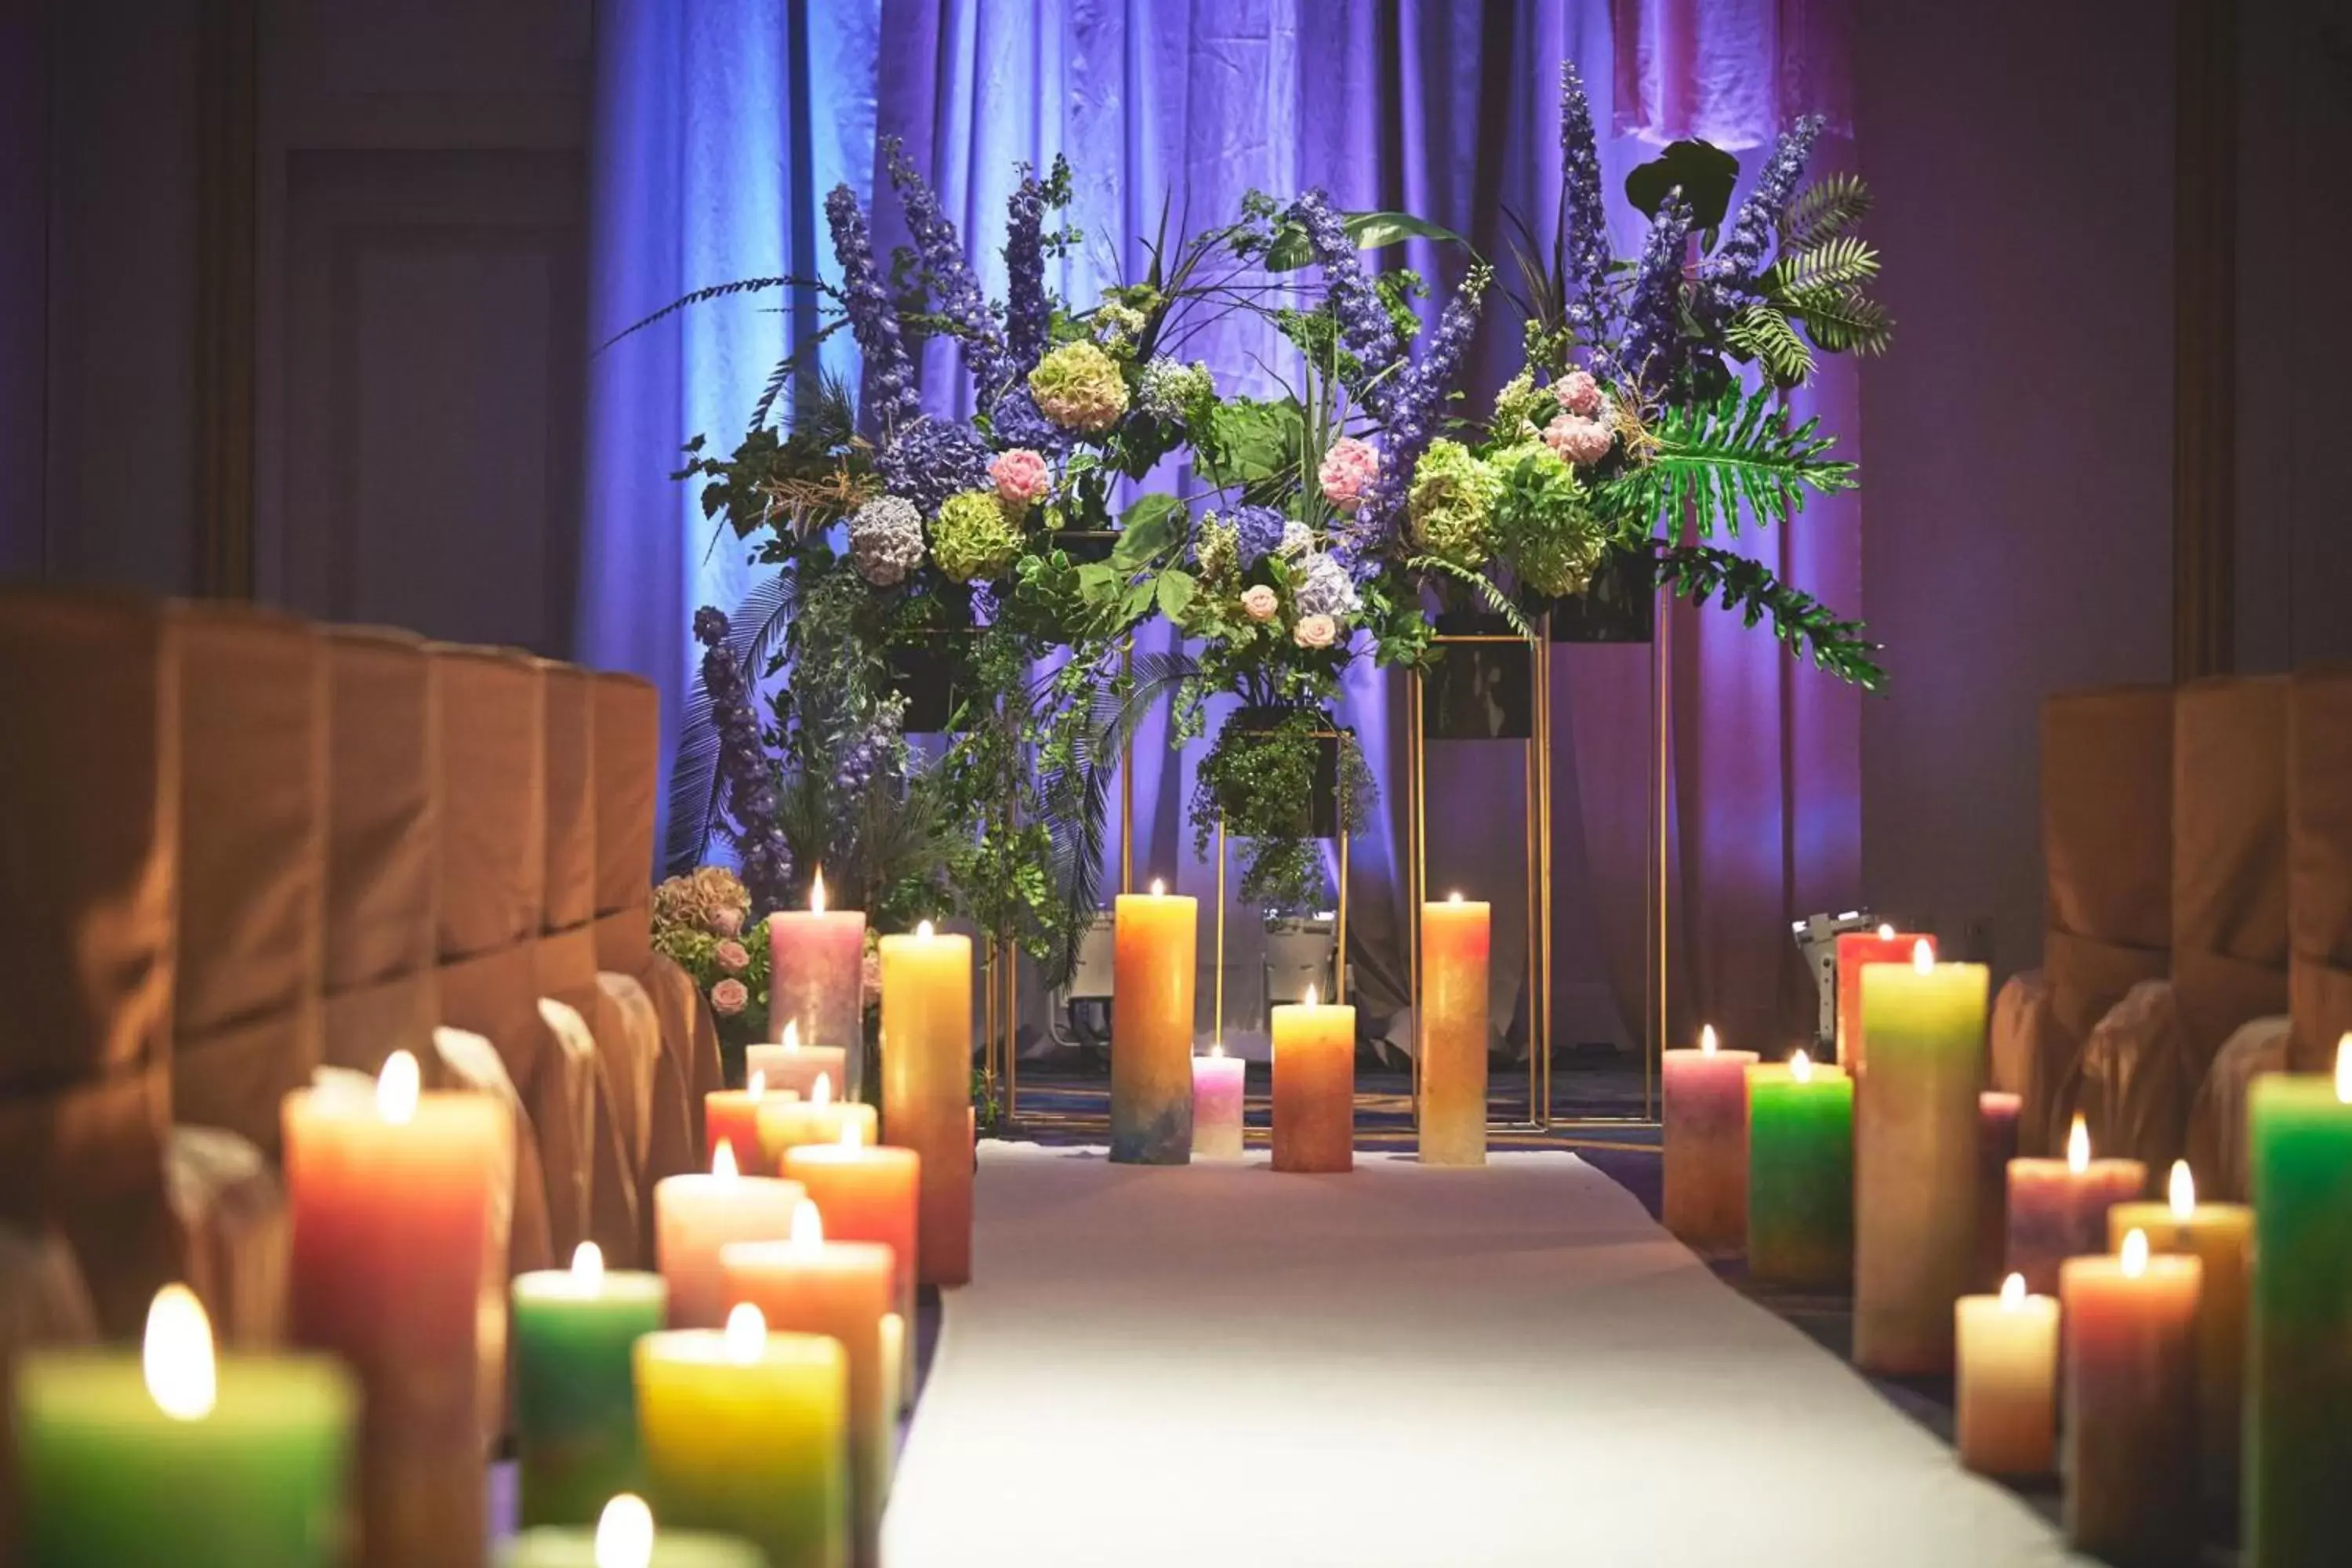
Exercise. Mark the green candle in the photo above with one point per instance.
(575, 1334)
(1800, 1175)
(2298, 1505)
(239, 1463)
(625, 1537)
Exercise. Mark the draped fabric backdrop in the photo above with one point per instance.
(722, 123)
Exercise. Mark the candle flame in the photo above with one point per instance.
(1454, 896)
(178, 1356)
(1801, 1068)
(1707, 1040)
(1217, 1048)
(1923, 957)
(1159, 887)
(2343, 1070)
(722, 1162)
(747, 1334)
(396, 1089)
(625, 1533)
(851, 1135)
(808, 1227)
(759, 1084)
(2078, 1146)
(821, 1091)
(2183, 1194)
(588, 1266)
(816, 892)
(2013, 1292)
(792, 1034)
(923, 930)
(2135, 1254)
(1886, 933)
(1310, 995)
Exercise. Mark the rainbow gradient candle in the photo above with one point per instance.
(1218, 1096)
(625, 1537)
(816, 985)
(1151, 1027)
(2007, 1381)
(1800, 1175)
(2131, 1452)
(731, 1116)
(575, 1416)
(1314, 1087)
(695, 1215)
(1454, 1028)
(1855, 951)
(2058, 1208)
(1707, 1144)
(818, 1119)
(927, 1087)
(2221, 1237)
(867, 1192)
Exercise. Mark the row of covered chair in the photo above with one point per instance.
(239, 849)
(2198, 848)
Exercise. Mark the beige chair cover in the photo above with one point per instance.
(2319, 865)
(2217, 1124)
(2019, 1012)
(383, 850)
(231, 1205)
(2229, 858)
(253, 852)
(2136, 1080)
(89, 800)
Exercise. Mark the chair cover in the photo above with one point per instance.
(89, 803)
(2136, 1078)
(2319, 865)
(2229, 858)
(2217, 1124)
(253, 852)
(2018, 1014)
(231, 1206)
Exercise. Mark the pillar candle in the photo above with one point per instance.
(2058, 1208)
(2131, 1464)
(1151, 1027)
(791, 1066)
(575, 1418)
(746, 1433)
(897, 1363)
(2219, 1237)
(818, 1119)
(927, 1087)
(395, 1266)
(1314, 1087)
(1707, 1144)
(1218, 1096)
(1454, 1028)
(1997, 1114)
(2008, 1380)
(625, 1537)
(866, 1192)
(816, 982)
(175, 1457)
(842, 1290)
(2297, 1498)
(695, 1215)
(731, 1116)
(1855, 950)
(1914, 1232)
(1800, 1175)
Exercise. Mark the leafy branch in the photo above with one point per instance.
(1713, 459)
(1801, 622)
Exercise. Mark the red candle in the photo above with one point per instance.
(2058, 1208)
(866, 1192)
(396, 1269)
(1997, 1115)
(1707, 1144)
(731, 1116)
(1886, 945)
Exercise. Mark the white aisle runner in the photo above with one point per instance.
(1221, 1367)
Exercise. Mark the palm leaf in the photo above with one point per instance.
(1825, 210)
(1763, 335)
(1844, 320)
(697, 791)
(789, 366)
(1711, 460)
(1834, 263)
(716, 292)
(1804, 625)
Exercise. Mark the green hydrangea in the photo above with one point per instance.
(972, 536)
(1544, 522)
(1452, 504)
(1079, 387)
(1522, 409)
(1216, 549)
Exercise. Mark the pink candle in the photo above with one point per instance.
(2132, 1458)
(791, 1068)
(1997, 1115)
(1217, 1105)
(1856, 949)
(694, 1217)
(816, 980)
(1707, 1144)
(2058, 1208)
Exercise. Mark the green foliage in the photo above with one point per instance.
(1762, 334)
(1371, 231)
(1703, 173)
(1545, 525)
(1801, 622)
(1260, 780)
(1825, 210)
(1821, 276)
(1714, 459)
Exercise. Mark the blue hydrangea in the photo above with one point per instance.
(1258, 532)
(932, 460)
(1326, 588)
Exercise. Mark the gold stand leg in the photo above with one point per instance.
(1217, 983)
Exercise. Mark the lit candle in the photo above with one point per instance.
(866, 1192)
(2131, 1463)
(1707, 1144)
(791, 1068)
(2218, 1236)
(625, 1537)
(816, 985)
(897, 1362)
(1914, 1220)
(575, 1398)
(1151, 1027)
(2298, 1504)
(819, 1119)
(2058, 1208)
(173, 1457)
(1997, 1114)
(731, 1116)
(1218, 1083)
(927, 1087)
(1314, 1087)
(396, 1268)
(1800, 1175)
(695, 1215)
(1454, 1029)
(1855, 951)
(746, 1433)
(2008, 1380)
(842, 1290)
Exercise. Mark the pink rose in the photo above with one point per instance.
(1578, 440)
(730, 997)
(733, 957)
(872, 975)
(1315, 631)
(1348, 471)
(726, 920)
(1022, 478)
(1259, 603)
(1577, 393)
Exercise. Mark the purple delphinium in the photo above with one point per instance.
(984, 607)
(1028, 313)
(930, 460)
(871, 760)
(1727, 278)
(872, 320)
(1650, 348)
(960, 299)
(1584, 228)
(1257, 532)
(743, 770)
(1365, 330)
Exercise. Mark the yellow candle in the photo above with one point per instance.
(927, 1087)
(1314, 1087)
(1454, 1030)
(2131, 1461)
(819, 1118)
(1151, 1027)
(2008, 1379)
(695, 1215)
(746, 1433)
(2221, 1237)
(792, 1066)
(1705, 1105)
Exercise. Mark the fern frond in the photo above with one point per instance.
(716, 292)
(1497, 602)
(1832, 264)
(786, 369)
(1764, 335)
(1712, 460)
(1844, 321)
(1805, 626)
(1825, 210)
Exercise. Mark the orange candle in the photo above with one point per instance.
(695, 1215)
(1454, 1028)
(793, 1067)
(395, 1268)
(1856, 949)
(2131, 1463)
(1314, 1087)
(1707, 1144)
(841, 1290)
(785, 1124)
(867, 1192)
(731, 1116)
(1151, 1027)
(927, 1087)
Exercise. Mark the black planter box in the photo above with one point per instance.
(1620, 606)
(929, 674)
(1479, 691)
(1319, 814)
(1085, 546)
